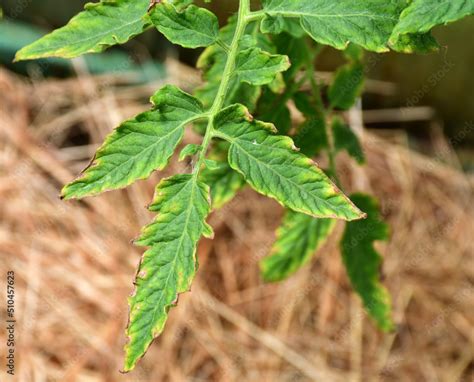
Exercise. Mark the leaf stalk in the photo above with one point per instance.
(219, 101)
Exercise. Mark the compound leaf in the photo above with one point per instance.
(347, 86)
(98, 27)
(363, 262)
(273, 167)
(139, 146)
(298, 238)
(422, 15)
(367, 23)
(256, 67)
(193, 27)
(345, 139)
(169, 265)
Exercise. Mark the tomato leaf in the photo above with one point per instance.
(189, 150)
(367, 23)
(98, 27)
(139, 146)
(362, 261)
(346, 140)
(168, 267)
(298, 238)
(224, 183)
(273, 167)
(193, 27)
(257, 67)
(347, 86)
(311, 137)
(422, 15)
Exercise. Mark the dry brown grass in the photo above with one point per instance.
(74, 264)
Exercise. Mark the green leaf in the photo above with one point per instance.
(279, 24)
(272, 108)
(422, 15)
(222, 179)
(296, 50)
(257, 67)
(194, 27)
(367, 23)
(311, 137)
(212, 164)
(415, 43)
(273, 167)
(347, 86)
(189, 151)
(212, 62)
(345, 139)
(298, 238)
(178, 4)
(363, 262)
(98, 27)
(354, 53)
(139, 146)
(168, 267)
(304, 102)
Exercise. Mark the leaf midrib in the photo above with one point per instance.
(188, 214)
(106, 176)
(60, 47)
(295, 14)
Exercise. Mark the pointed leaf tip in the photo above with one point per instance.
(168, 267)
(98, 27)
(138, 146)
(363, 262)
(272, 166)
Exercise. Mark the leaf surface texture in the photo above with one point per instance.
(169, 265)
(139, 146)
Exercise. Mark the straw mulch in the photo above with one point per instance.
(75, 264)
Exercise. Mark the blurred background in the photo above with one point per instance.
(74, 262)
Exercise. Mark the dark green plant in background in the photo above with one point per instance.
(253, 67)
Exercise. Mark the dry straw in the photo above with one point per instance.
(74, 262)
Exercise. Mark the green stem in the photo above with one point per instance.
(219, 101)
